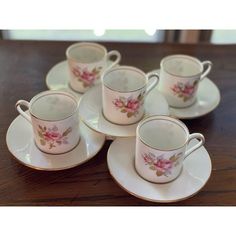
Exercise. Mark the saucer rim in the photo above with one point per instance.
(153, 200)
(48, 169)
(47, 75)
(197, 116)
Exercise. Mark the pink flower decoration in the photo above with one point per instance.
(163, 165)
(129, 105)
(118, 103)
(132, 105)
(147, 159)
(184, 90)
(52, 136)
(86, 76)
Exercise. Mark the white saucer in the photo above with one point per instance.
(20, 143)
(58, 77)
(195, 174)
(90, 111)
(208, 98)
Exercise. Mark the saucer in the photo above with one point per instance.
(195, 174)
(205, 103)
(20, 143)
(58, 78)
(90, 111)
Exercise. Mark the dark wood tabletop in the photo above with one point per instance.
(23, 67)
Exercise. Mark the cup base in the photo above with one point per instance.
(69, 85)
(57, 153)
(120, 123)
(156, 182)
(180, 107)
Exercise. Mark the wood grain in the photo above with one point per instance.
(23, 67)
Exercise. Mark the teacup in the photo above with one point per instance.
(55, 122)
(161, 148)
(179, 79)
(124, 89)
(87, 61)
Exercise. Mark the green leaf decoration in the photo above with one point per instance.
(40, 134)
(96, 72)
(152, 168)
(185, 99)
(123, 111)
(129, 114)
(176, 163)
(51, 146)
(42, 142)
(85, 85)
(159, 173)
(44, 128)
(40, 127)
(67, 132)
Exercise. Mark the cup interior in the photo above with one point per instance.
(183, 66)
(53, 106)
(124, 79)
(163, 133)
(86, 52)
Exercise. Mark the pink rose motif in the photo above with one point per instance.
(147, 159)
(184, 91)
(159, 164)
(176, 89)
(163, 165)
(52, 136)
(132, 105)
(85, 75)
(118, 103)
(188, 90)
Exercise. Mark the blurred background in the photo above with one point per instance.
(169, 36)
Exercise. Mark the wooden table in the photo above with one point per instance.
(23, 67)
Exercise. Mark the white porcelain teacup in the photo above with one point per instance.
(161, 148)
(179, 79)
(55, 122)
(124, 89)
(87, 61)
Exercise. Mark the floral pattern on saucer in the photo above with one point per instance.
(161, 165)
(184, 90)
(129, 106)
(52, 137)
(86, 76)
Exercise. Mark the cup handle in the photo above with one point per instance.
(152, 83)
(18, 108)
(116, 61)
(195, 147)
(208, 69)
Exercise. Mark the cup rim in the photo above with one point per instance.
(162, 117)
(123, 67)
(45, 93)
(194, 59)
(74, 45)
